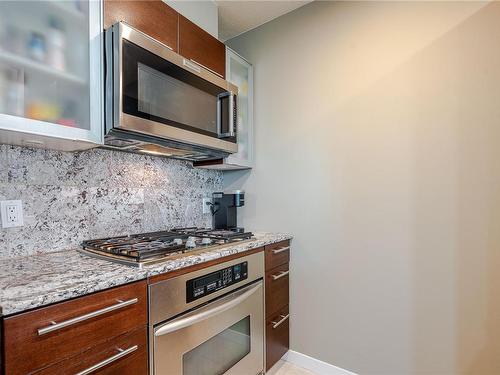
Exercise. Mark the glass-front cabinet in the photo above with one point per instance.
(51, 63)
(240, 73)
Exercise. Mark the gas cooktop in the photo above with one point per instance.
(153, 247)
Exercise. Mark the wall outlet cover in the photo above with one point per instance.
(12, 213)
(206, 205)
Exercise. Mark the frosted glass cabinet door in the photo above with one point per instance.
(240, 73)
(51, 73)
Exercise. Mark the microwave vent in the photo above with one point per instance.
(121, 143)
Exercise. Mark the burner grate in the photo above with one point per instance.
(152, 246)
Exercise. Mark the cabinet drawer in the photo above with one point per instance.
(124, 355)
(277, 286)
(201, 47)
(152, 17)
(277, 254)
(277, 337)
(33, 341)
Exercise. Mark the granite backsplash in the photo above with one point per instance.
(68, 197)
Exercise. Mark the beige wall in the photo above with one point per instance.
(378, 146)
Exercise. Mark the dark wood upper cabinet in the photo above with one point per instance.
(158, 20)
(152, 17)
(201, 47)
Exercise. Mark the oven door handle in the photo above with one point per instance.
(209, 311)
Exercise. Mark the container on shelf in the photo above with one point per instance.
(56, 42)
(37, 49)
(14, 92)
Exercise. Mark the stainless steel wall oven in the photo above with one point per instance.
(209, 322)
(159, 102)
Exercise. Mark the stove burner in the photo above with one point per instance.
(155, 246)
(222, 234)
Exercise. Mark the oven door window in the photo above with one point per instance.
(218, 354)
(158, 90)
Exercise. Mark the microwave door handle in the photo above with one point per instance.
(209, 311)
(231, 115)
(219, 117)
(230, 132)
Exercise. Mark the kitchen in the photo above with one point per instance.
(218, 187)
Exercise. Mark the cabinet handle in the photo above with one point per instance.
(278, 323)
(204, 313)
(277, 251)
(206, 67)
(121, 353)
(281, 274)
(56, 326)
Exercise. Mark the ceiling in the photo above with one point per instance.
(239, 16)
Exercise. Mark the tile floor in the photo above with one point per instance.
(286, 368)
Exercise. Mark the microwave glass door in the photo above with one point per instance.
(158, 90)
(222, 337)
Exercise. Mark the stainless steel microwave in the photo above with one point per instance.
(160, 103)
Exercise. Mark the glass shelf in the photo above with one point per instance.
(34, 66)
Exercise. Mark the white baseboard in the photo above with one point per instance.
(314, 365)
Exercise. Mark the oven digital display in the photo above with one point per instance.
(207, 280)
(207, 284)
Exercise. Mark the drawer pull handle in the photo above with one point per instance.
(282, 274)
(121, 353)
(56, 326)
(277, 251)
(278, 323)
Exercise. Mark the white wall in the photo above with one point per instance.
(378, 146)
(204, 13)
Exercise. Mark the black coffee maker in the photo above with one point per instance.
(224, 210)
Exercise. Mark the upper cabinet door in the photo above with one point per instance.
(240, 73)
(201, 47)
(152, 17)
(51, 73)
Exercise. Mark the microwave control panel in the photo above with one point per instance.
(207, 284)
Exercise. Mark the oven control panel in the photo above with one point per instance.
(207, 284)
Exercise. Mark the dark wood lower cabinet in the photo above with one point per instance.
(277, 337)
(277, 254)
(276, 289)
(277, 301)
(123, 355)
(38, 339)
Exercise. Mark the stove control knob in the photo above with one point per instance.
(191, 242)
(177, 241)
(206, 241)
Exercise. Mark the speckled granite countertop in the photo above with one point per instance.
(30, 282)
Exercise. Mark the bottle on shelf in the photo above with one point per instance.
(37, 49)
(56, 42)
(14, 92)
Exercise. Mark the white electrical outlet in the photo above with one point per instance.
(207, 203)
(12, 213)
